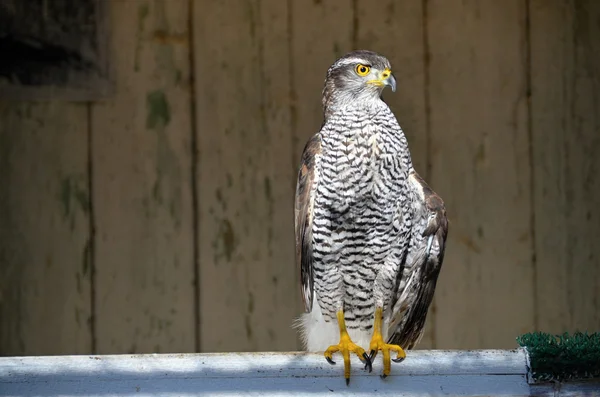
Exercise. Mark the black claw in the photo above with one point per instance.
(373, 354)
(383, 376)
(347, 381)
(398, 360)
(330, 361)
(368, 363)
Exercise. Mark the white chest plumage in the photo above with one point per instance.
(358, 200)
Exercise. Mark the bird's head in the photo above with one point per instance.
(359, 76)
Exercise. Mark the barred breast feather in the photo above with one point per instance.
(353, 220)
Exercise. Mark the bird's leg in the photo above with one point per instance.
(345, 347)
(377, 343)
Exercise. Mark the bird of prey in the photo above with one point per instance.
(370, 233)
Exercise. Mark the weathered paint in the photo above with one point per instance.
(225, 242)
(44, 228)
(565, 76)
(478, 63)
(142, 191)
(159, 112)
(245, 235)
(73, 195)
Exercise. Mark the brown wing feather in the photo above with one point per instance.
(437, 224)
(304, 203)
(415, 300)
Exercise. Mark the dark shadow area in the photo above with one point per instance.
(31, 62)
(59, 44)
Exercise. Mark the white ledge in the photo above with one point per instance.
(424, 372)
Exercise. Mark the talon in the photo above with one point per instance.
(368, 363)
(365, 357)
(373, 354)
(345, 347)
(383, 376)
(377, 344)
(398, 360)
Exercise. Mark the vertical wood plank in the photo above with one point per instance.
(142, 185)
(480, 166)
(395, 30)
(583, 172)
(44, 229)
(565, 64)
(321, 32)
(248, 292)
(553, 59)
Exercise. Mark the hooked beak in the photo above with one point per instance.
(387, 78)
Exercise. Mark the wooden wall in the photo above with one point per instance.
(160, 220)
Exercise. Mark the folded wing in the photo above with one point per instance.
(303, 220)
(418, 277)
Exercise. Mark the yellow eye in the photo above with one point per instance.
(362, 70)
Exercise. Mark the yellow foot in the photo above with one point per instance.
(346, 346)
(378, 344)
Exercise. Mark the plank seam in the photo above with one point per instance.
(194, 182)
(92, 228)
(532, 185)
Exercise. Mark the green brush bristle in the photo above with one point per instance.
(562, 357)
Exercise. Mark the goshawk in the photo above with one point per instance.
(370, 233)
